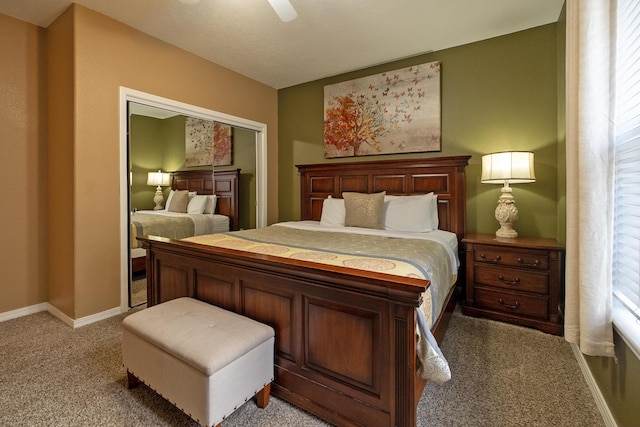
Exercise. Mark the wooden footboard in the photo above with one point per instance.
(345, 340)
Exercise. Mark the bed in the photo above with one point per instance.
(317, 308)
(179, 225)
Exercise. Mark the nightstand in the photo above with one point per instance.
(515, 280)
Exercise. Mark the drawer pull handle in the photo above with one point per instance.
(509, 282)
(514, 306)
(496, 259)
(534, 264)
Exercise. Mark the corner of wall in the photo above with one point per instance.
(60, 162)
(562, 143)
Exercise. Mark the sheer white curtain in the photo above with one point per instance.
(590, 58)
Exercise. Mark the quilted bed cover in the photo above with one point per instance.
(432, 256)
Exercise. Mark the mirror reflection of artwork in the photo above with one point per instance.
(198, 142)
(207, 143)
(223, 143)
(392, 112)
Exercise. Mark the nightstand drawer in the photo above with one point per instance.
(511, 278)
(511, 302)
(515, 280)
(529, 258)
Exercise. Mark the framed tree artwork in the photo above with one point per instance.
(223, 144)
(207, 143)
(391, 112)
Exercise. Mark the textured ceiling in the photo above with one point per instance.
(328, 37)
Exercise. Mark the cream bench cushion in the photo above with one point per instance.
(204, 359)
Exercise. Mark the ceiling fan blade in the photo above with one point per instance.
(284, 9)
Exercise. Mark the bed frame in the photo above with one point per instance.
(226, 188)
(345, 339)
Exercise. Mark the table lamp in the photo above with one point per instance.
(160, 180)
(511, 167)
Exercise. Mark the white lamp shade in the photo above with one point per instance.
(158, 178)
(513, 167)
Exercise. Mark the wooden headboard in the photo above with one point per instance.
(445, 176)
(226, 189)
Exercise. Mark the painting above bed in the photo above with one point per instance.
(392, 112)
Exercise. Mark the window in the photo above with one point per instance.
(626, 250)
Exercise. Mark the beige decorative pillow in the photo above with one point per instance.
(179, 201)
(363, 210)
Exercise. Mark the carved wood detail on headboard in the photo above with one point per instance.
(445, 176)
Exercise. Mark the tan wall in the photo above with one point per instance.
(60, 164)
(104, 56)
(22, 163)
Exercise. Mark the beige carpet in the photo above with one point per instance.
(503, 375)
(138, 292)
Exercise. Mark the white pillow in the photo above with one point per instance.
(415, 214)
(169, 197)
(433, 207)
(333, 212)
(210, 206)
(435, 221)
(196, 204)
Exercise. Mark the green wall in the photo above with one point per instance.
(619, 382)
(146, 154)
(244, 158)
(498, 94)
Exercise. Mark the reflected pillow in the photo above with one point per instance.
(196, 204)
(179, 201)
(364, 210)
(210, 206)
(166, 206)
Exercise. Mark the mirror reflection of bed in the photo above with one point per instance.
(153, 136)
(207, 208)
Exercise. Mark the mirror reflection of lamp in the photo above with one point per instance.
(512, 167)
(160, 180)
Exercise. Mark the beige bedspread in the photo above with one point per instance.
(173, 227)
(423, 259)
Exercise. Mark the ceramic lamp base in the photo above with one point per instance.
(506, 214)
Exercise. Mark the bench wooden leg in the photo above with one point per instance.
(262, 398)
(132, 380)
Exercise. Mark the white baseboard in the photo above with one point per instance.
(83, 321)
(55, 312)
(24, 311)
(45, 306)
(607, 417)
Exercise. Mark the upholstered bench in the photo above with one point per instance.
(205, 360)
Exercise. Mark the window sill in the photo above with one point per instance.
(627, 326)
